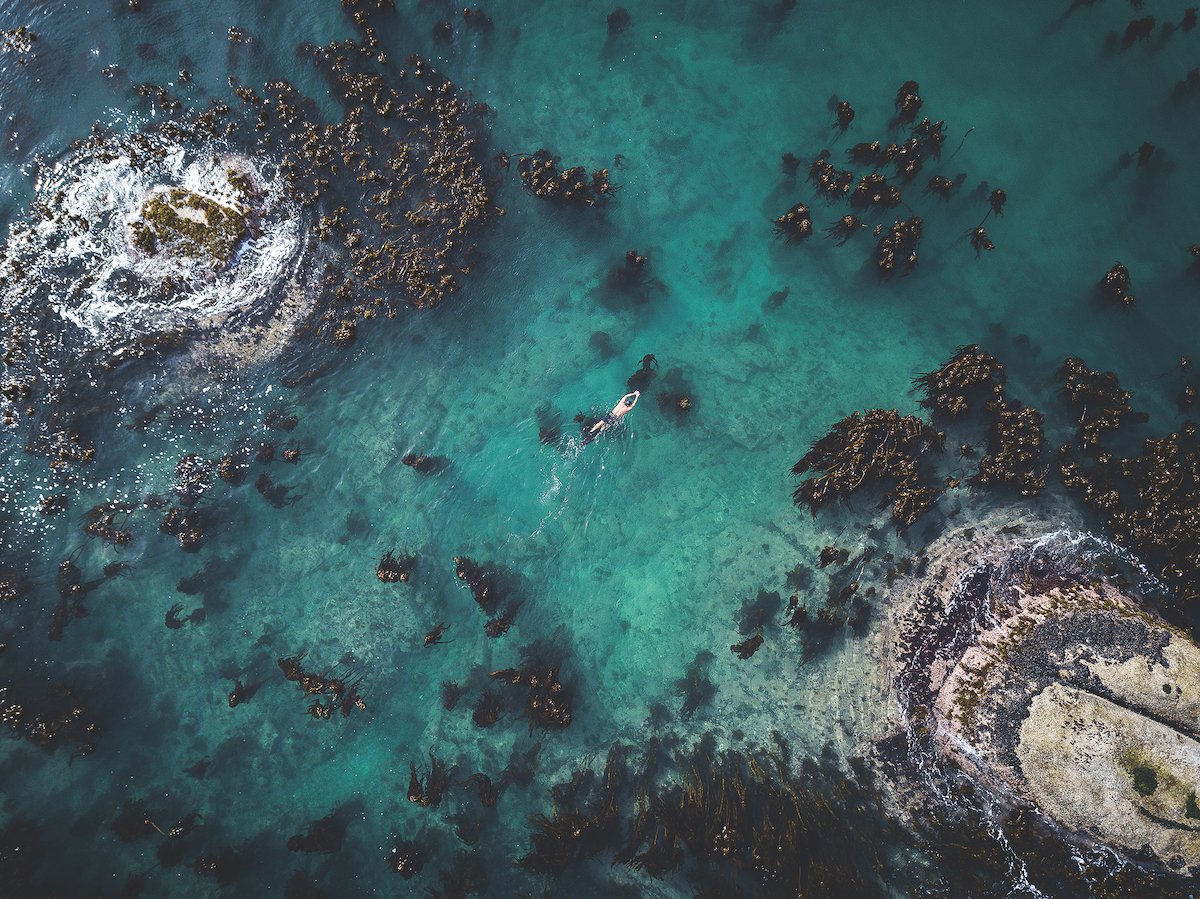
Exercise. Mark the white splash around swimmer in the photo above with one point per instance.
(81, 257)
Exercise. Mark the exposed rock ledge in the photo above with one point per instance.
(1042, 679)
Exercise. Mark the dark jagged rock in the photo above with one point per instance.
(1025, 665)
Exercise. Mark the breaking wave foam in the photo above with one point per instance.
(79, 262)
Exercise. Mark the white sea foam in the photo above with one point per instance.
(80, 262)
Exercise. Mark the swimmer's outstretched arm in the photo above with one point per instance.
(624, 404)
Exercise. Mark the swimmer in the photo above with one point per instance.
(627, 402)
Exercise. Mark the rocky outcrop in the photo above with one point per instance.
(1026, 663)
(209, 224)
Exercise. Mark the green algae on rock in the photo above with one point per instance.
(177, 220)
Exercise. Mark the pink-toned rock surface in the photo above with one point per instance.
(1047, 683)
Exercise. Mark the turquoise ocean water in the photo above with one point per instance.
(636, 554)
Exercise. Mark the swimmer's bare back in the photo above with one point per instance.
(623, 406)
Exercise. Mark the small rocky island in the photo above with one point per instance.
(1043, 677)
(209, 226)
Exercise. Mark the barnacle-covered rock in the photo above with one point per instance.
(1044, 679)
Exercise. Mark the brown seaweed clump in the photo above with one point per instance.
(51, 719)
(1117, 286)
(738, 818)
(970, 377)
(1151, 503)
(427, 791)
(342, 694)
(795, 224)
(879, 448)
(102, 522)
(1014, 449)
(874, 192)
(186, 526)
(13, 585)
(19, 40)
(831, 182)
(482, 581)
(583, 826)
(393, 570)
(897, 248)
(573, 187)
(970, 373)
(1099, 400)
(547, 702)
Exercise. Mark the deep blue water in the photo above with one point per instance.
(635, 555)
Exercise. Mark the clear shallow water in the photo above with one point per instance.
(638, 553)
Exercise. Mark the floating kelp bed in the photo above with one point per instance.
(162, 238)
